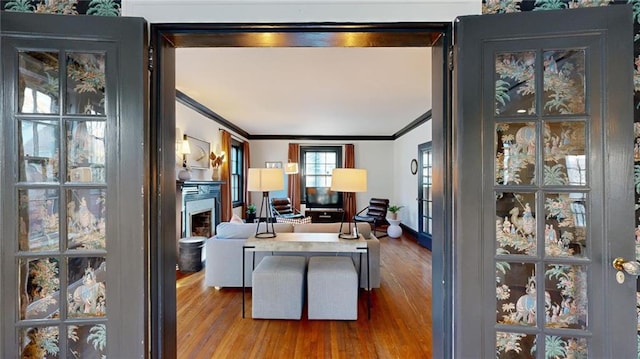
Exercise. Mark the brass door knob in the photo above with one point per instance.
(631, 267)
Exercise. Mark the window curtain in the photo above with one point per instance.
(349, 205)
(294, 179)
(227, 205)
(245, 170)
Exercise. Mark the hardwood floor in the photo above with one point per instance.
(210, 324)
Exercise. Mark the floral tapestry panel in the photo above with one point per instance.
(38, 342)
(566, 296)
(516, 293)
(565, 227)
(565, 347)
(86, 221)
(85, 83)
(515, 83)
(87, 341)
(38, 216)
(515, 345)
(515, 153)
(564, 82)
(565, 160)
(38, 82)
(40, 151)
(515, 223)
(87, 292)
(39, 280)
(86, 151)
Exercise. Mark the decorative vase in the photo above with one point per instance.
(215, 174)
(184, 174)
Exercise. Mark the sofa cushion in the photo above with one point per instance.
(363, 228)
(227, 230)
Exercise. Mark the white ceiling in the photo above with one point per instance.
(309, 91)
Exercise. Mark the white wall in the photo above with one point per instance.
(196, 125)
(165, 11)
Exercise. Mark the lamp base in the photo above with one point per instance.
(352, 234)
(184, 174)
(268, 220)
(347, 236)
(265, 235)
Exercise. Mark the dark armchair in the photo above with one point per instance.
(281, 207)
(376, 215)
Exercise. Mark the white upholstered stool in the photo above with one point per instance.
(278, 287)
(332, 288)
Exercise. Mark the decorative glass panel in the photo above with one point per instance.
(565, 347)
(87, 341)
(565, 231)
(38, 84)
(86, 151)
(39, 342)
(87, 291)
(564, 85)
(516, 293)
(515, 345)
(515, 153)
(40, 151)
(39, 281)
(566, 293)
(86, 222)
(38, 215)
(85, 83)
(565, 160)
(515, 83)
(516, 223)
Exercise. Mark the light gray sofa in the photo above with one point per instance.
(223, 266)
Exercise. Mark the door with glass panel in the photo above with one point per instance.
(72, 223)
(425, 197)
(543, 195)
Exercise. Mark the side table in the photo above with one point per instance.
(394, 230)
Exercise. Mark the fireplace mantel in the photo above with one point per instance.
(197, 190)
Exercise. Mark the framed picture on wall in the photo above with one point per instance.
(273, 164)
(199, 156)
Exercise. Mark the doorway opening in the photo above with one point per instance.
(165, 38)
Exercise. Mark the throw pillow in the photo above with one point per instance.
(236, 219)
(293, 220)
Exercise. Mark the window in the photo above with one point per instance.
(237, 173)
(317, 163)
(426, 183)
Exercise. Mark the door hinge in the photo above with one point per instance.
(450, 64)
(150, 58)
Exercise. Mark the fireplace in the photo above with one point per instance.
(200, 207)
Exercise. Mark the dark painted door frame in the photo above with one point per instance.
(166, 37)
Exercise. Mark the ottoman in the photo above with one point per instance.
(278, 287)
(332, 288)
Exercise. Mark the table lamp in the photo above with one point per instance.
(265, 180)
(349, 180)
(185, 149)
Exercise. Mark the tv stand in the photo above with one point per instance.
(324, 215)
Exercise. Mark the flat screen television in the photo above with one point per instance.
(322, 197)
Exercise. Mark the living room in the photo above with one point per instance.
(387, 161)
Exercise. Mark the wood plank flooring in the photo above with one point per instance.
(210, 324)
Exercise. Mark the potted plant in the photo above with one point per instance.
(251, 213)
(393, 211)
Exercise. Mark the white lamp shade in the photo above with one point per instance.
(349, 180)
(185, 149)
(291, 168)
(265, 179)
